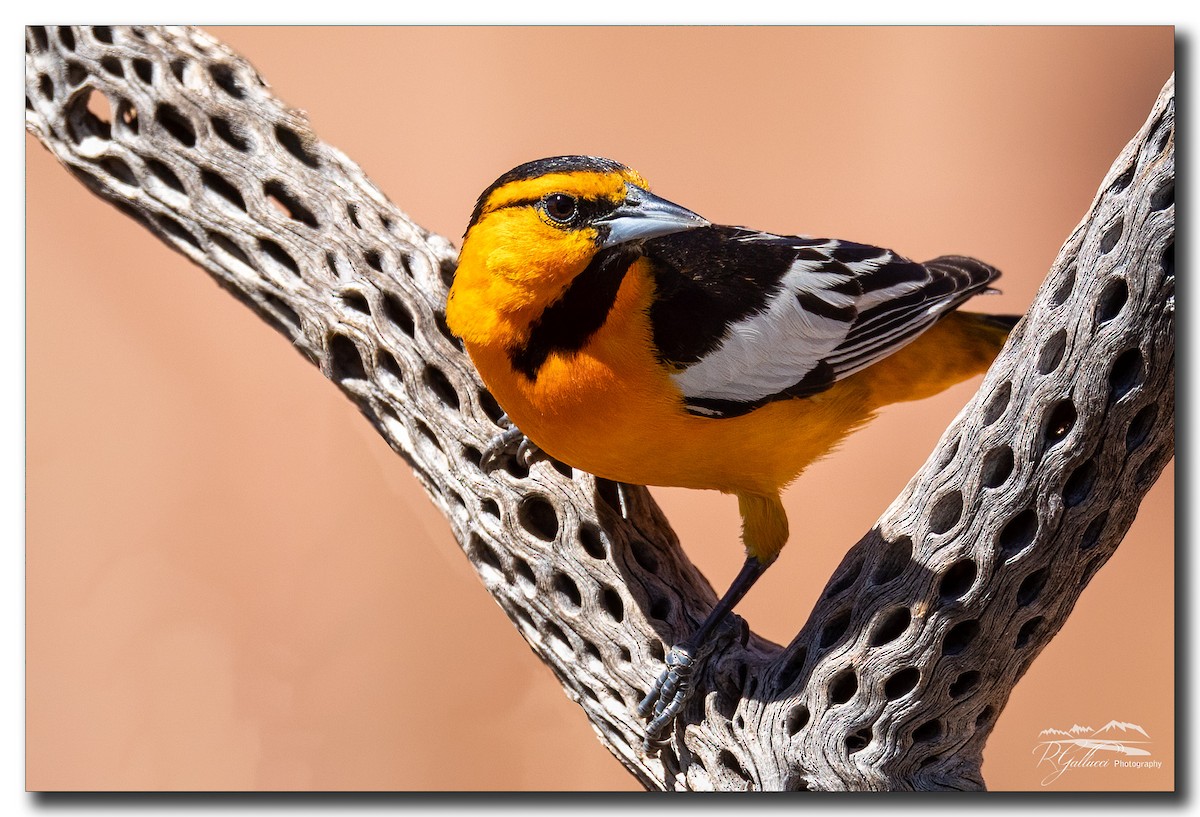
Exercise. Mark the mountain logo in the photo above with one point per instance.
(1082, 747)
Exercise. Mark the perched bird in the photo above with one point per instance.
(630, 338)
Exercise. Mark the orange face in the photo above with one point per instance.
(517, 259)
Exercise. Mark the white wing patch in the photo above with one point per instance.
(775, 348)
(841, 316)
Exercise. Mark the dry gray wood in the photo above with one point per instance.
(921, 633)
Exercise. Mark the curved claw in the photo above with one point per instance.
(510, 442)
(500, 448)
(668, 694)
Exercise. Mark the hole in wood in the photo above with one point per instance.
(610, 600)
(960, 637)
(791, 670)
(103, 34)
(176, 230)
(1150, 468)
(127, 116)
(373, 259)
(524, 573)
(1140, 427)
(76, 74)
(558, 640)
(67, 37)
(891, 626)
(660, 608)
(1028, 630)
(730, 763)
(356, 301)
(396, 313)
(797, 719)
(226, 80)
(568, 592)
(1092, 534)
(842, 687)
(997, 403)
(1059, 422)
(1032, 587)
(997, 467)
(88, 114)
(1051, 353)
(1018, 534)
(592, 542)
(901, 683)
(482, 554)
(165, 175)
(946, 512)
(965, 683)
(176, 124)
(113, 66)
(835, 628)
(386, 362)
(345, 360)
(1125, 375)
(644, 555)
(1065, 288)
(440, 385)
(277, 254)
(859, 740)
(1111, 236)
(229, 134)
(1164, 196)
(538, 516)
(41, 40)
(117, 169)
(1122, 181)
(217, 184)
(283, 200)
(927, 732)
(957, 580)
(294, 144)
(230, 247)
(1079, 484)
(846, 579)
(143, 69)
(1112, 300)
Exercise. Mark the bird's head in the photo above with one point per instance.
(541, 224)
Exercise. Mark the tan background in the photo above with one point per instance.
(233, 584)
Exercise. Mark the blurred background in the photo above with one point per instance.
(232, 583)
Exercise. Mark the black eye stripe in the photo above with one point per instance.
(587, 210)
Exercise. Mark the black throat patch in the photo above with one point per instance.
(568, 323)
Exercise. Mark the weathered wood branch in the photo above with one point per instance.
(921, 633)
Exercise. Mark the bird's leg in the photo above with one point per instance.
(664, 700)
(509, 442)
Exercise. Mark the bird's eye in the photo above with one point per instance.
(561, 207)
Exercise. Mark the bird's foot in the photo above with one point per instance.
(510, 443)
(664, 700)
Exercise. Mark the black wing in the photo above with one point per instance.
(744, 317)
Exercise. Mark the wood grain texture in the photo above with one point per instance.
(930, 620)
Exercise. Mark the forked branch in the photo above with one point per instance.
(921, 633)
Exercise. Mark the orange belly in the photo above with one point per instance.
(612, 409)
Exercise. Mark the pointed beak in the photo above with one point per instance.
(644, 215)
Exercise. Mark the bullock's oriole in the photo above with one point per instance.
(629, 337)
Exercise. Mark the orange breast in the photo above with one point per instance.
(612, 409)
